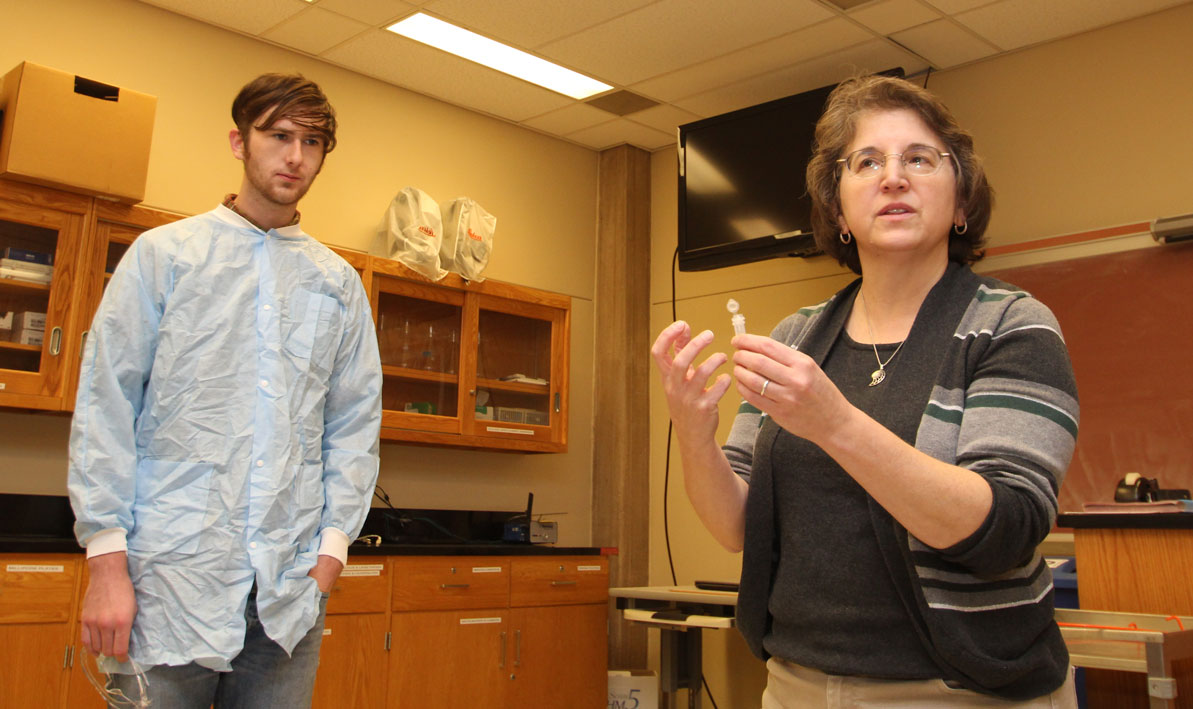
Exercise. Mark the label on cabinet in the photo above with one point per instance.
(362, 570)
(34, 569)
(500, 429)
(486, 569)
(479, 621)
(592, 567)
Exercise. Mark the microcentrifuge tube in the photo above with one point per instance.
(739, 320)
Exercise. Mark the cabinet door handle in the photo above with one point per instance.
(83, 342)
(55, 341)
(564, 583)
(556, 402)
(517, 648)
(453, 585)
(501, 662)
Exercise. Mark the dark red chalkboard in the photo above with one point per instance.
(1127, 318)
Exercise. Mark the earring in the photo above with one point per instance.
(846, 237)
(959, 230)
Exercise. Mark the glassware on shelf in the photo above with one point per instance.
(405, 347)
(430, 354)
(451, 351)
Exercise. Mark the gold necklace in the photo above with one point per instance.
(879, 374)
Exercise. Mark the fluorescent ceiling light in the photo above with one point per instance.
(482, 50)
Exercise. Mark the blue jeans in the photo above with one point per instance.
(262, 674)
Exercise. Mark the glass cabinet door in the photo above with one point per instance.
(37, 248)
(520, 392)
(115, 228)
(418, 334)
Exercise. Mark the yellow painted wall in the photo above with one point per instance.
(542, 190)
(1081, 134)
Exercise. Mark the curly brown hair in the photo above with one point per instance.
(271, 97)
(835, 131)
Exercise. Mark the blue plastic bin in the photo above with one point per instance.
(1064, 584)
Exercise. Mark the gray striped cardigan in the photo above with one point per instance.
(1003, 404)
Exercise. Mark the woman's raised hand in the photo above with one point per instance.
(691, 400)
(788, 386)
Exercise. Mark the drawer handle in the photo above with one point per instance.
(564, 583)
(445, 586)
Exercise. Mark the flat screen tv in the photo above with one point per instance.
(742, 196)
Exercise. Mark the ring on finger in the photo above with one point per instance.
(765, 384)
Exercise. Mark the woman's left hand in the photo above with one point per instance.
(788, 386)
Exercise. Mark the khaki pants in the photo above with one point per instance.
(792, 686)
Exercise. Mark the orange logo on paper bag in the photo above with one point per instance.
(474, 236)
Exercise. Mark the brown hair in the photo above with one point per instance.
(835, 131)
(271, 97)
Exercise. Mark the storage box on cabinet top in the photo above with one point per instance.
(68, 131)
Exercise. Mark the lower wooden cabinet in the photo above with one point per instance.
(353, 654)
(559, 656)
(37, 618)
(449, 659)
(401, 631)
(499, 632)
(352, 662)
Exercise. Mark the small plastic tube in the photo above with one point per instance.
(738, 320)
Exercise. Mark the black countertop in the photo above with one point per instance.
(43, 524)
(1154, 520)
(49, 545)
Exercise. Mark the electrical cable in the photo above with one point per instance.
(667, 480)
(380, 494)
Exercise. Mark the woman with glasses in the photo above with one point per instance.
(897, 456)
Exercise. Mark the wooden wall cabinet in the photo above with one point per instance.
(473, 365)
(86, 236)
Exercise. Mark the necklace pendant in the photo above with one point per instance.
(877, 376)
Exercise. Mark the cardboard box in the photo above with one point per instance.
(24, 274)
(633, 689)
(67, 131)
(29, 337)
(6, 318)
(29, 320)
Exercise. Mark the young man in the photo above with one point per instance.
(225, 437)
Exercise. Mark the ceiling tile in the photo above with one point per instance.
(761, 58)
(664, 117)
(952, 7)
(1019, 23)
(621, 130)
(420, 68)
(671, 34)
(876, 55)
(315, 30)
(568, 119)
(250, 17)
(890, 16)
(530, 23)
(944, 44)
(375, 13)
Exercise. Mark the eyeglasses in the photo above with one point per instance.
(99, 670)
(921, 161)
